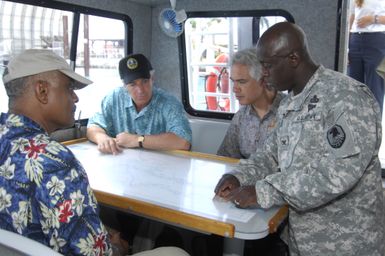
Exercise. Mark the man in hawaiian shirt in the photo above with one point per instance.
(256, 118)
(44, 191)
(138, 114)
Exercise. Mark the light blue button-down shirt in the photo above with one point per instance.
(163, 114)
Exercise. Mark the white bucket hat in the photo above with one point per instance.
(35, 61)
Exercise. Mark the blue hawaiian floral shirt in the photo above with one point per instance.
(163, 114)
(44, 191)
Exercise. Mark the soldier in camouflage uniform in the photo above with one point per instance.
(322, 160)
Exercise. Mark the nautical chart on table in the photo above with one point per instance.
(174, 181)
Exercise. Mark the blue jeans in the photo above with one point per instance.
(366, 51)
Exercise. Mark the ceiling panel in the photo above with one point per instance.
(150, 2)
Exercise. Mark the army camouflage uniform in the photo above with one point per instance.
(322, 160)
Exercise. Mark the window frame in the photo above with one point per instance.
(183, 55)
(77, 10)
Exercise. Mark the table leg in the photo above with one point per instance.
(233, 246)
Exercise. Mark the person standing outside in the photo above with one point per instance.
(138, 114)
(254, 121)
(367, 44)
(321, 160)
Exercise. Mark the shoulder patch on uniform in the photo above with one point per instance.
(336, 136)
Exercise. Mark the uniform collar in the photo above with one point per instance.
(297, 101)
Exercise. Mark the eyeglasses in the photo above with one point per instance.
(269, 65)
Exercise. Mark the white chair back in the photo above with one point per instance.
(13, 244)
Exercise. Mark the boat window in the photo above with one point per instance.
(208, 42)
(82, 37)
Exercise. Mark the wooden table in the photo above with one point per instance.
(176, 187)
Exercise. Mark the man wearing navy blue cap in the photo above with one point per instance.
(139, 115)
(134, 67)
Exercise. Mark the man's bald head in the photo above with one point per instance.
(283, 53)
(283, 38)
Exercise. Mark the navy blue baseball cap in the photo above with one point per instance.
(133, 67)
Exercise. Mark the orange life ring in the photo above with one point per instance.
(218, 80)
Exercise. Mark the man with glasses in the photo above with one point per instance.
(321, 160)
(139, 115)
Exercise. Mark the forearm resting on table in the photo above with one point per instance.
(95, 134)
(165, 141)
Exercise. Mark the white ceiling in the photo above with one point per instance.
(151, 2)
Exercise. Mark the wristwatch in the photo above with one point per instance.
(141, 140)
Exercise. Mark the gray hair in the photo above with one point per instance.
(249, 58)
(19, 86)
(16, 87)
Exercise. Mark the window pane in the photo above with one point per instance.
(98, 53)
(26, 26)
(209, 42)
